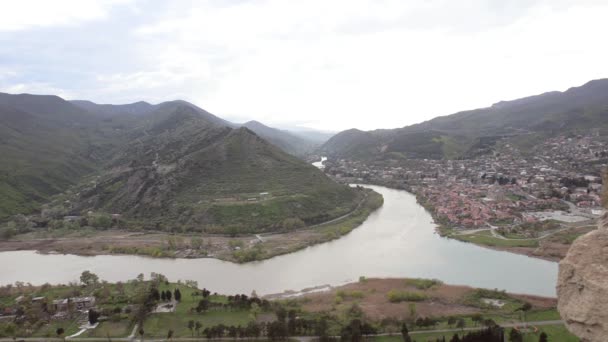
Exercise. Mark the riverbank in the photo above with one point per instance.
(397, 240)
(551, 247)
(380, 305)
(244, 248)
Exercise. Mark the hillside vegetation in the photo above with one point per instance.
(523, 122)
(168, 166)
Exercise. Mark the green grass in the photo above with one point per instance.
(158, 325)
(415, 337)
(557, 333)
(327, 232)
(543, 315)
(50, 330)
(485, 238)
(122, 328)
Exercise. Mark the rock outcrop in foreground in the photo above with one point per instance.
(582, 287)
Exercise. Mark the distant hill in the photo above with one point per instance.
(314, 135)
(137, 108)
(464, 134)
(46, 144)
(169, 166)
(285, 140)
(289, 142)
(141, 109)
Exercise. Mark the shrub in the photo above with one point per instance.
(293, 223)
(396, 296)
(423, 284)
(103, 221)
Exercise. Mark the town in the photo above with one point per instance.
(557, 181)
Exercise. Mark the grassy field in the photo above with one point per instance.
(485, 238)
(50, 330)
(158, 324)
(557, 333)
(368, 300)
(112, 329)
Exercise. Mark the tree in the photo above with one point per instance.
(197, 327)
(477, 318)
(169, 335)
(412, 307)
(524, 310)
(168, 295)
(155, 294)
(489, 323)
(163, 296)
(543, 337)
(141, 333)
(191, 327)
(60, 332)
(254, 311)
(515, 336)
(405, 333)
(451, 320)
(321, 329)
(352, 332)
(93, 316)
(103, 221)
(177, 294)
(88, 278)
(455, 338)
(203, 305)
(460, 324)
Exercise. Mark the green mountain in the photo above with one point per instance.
(464, 134)
(46, 144)
(171, 165)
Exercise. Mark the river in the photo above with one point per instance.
(398, 240)
(319, 163)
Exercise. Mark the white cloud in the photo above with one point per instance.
(341, 64)
(25, 14)
(379, 64)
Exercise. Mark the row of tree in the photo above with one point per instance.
(165, 296)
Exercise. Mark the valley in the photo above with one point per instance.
(303, 171)
(530, 191)
(166, 180)
(397, 240)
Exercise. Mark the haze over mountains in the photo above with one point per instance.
(153, 161)
(465, 134)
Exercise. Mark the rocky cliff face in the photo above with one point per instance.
(582, 287)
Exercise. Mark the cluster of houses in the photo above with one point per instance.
(496, 187)
(57, 307)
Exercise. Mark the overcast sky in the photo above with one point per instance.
(325, 64)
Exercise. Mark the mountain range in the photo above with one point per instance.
(172, 165)
(466, 134)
